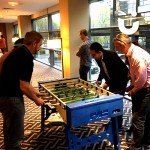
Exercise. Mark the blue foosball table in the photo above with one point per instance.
(80, 103)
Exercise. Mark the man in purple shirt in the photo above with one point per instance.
(139, 90)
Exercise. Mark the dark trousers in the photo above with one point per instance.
(141, 117)
(119, 89)
(12, 109)
(3, 50)
(83, 71)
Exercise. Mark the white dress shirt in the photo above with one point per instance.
(139, 61)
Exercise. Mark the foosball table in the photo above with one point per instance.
(80, 103)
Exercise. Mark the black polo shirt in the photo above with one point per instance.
(17, 66)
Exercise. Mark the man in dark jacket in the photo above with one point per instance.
(112, 69)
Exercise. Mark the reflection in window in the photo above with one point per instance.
(103, 40)
(146, 18)
(55, 21)
(57, 59)
(100, 13)
(144, 2)
(16, 29)
(49, 27)
(95, 70)
(45, 38)
(43, 55)
(41, 25)
(125, 7)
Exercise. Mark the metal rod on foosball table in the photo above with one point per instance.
(58, 85)
(57, 104)
(115, 133)
(46, 101)
(127, 97)
(61, 84)
(51, 105)
(61, 87)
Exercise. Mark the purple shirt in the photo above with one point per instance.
(139, 61)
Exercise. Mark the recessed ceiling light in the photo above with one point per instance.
(13, 3)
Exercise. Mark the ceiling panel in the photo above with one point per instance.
(9, 14)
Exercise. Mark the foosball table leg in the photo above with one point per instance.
(46, 111)
(42, 118)
(71, 140)
(111, 134)
(115, 133)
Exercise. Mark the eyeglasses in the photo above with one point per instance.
(119, 40)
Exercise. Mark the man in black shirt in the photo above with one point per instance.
(15, 75)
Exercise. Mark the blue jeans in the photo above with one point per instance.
(83, 71)
(12, 109)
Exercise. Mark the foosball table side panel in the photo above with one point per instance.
(91, 112)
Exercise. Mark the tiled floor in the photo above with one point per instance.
(44, 72)
(53, 137)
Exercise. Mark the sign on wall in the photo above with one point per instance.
(128, 31)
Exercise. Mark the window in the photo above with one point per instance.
(100, 14)
(145, 19)
(16, 29)
(104, 16)
(41, 25)
(55, 22)
(144, 2)
(125, 7)
(49, 27)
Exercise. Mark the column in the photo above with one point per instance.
(74, 15)
(24, 25)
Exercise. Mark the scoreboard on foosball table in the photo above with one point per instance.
(79, 103)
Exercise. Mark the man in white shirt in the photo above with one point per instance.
(139, 90)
